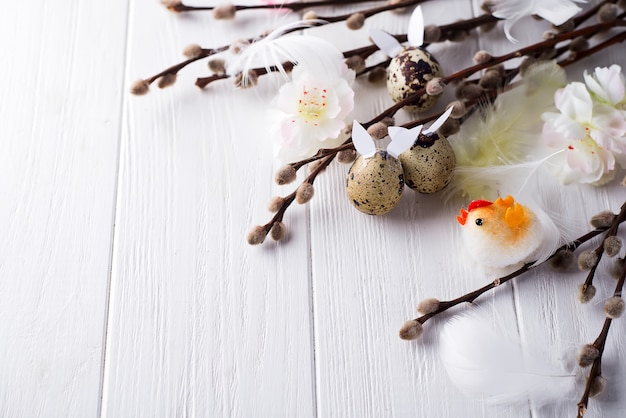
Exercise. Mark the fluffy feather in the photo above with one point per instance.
(318, 55)
(500, 146)
(481, 361)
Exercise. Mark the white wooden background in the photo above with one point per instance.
(126, 285)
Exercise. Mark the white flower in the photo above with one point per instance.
(582, 160)
(607, 85)
(554, 11)
(309, 112)
(591, 135)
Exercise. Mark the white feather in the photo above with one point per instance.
(481, 361)
(318, 55)
(502, 143)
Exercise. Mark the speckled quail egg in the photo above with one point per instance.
(375, 184)
(429, 164)
(408, 73)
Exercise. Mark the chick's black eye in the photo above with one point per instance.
(479, 222)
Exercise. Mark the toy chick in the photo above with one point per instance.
(502, 233)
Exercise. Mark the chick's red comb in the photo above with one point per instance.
(474, 204)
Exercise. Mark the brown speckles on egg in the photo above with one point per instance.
(408, 73)
(375, 184)
(429, 164)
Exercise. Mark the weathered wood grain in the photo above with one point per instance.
(61, 82)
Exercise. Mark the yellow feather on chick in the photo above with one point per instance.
(501, 234)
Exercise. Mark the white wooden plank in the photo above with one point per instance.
(201, 323)
(370, 272)
(61, 84)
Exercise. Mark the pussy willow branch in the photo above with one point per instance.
(180, 7)
(327, 155)
(599, 343)
(294, 7)
(469, 71)
(471, 296)
(363, 52)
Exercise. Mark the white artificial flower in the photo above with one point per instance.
(607, 85)
(310, 112)
(556, 12)
(591, 135)
(581, 161)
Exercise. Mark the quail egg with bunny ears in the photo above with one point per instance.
(411, 67)
(376, 179)
(430, 162)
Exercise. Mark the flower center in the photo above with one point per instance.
(312, 105)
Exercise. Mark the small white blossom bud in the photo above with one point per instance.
(617, 269)
(603, 219)
(488, 27)
(275, 204)
(377, 130)
(192, 51)
(388, 120)
(411, 330)
(612, 245)
(285, 175)
(469, 91)
(224, 11)
(491, 80)
(457, 35)
(585, 294)
(458, 109)
(217, 66)
(346, 156)
(278, 231)
(140, 87)
(172, 5)
(499, 68)
(449, 127)
(614, 307)
(482, 57)
(427, 306)
(238, 46)
(356, 63)
(377, 74)
(435, 86)
(355, 21)
(315, 165)
(586, 355)
(526, 64)
(167, 80)
(607, 13)
(304, 193)
(246, 82)
(399, 10)
(257, 235)
(432, 34)
(567, 26)
(562, 260)
(578, 44)
(487, 7)
(310, 15)
(597, 386)
(587, 259)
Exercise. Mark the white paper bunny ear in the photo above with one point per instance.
(402, 139)
(387, 43)
(440, 121)
(415, 31)
(363, 142)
